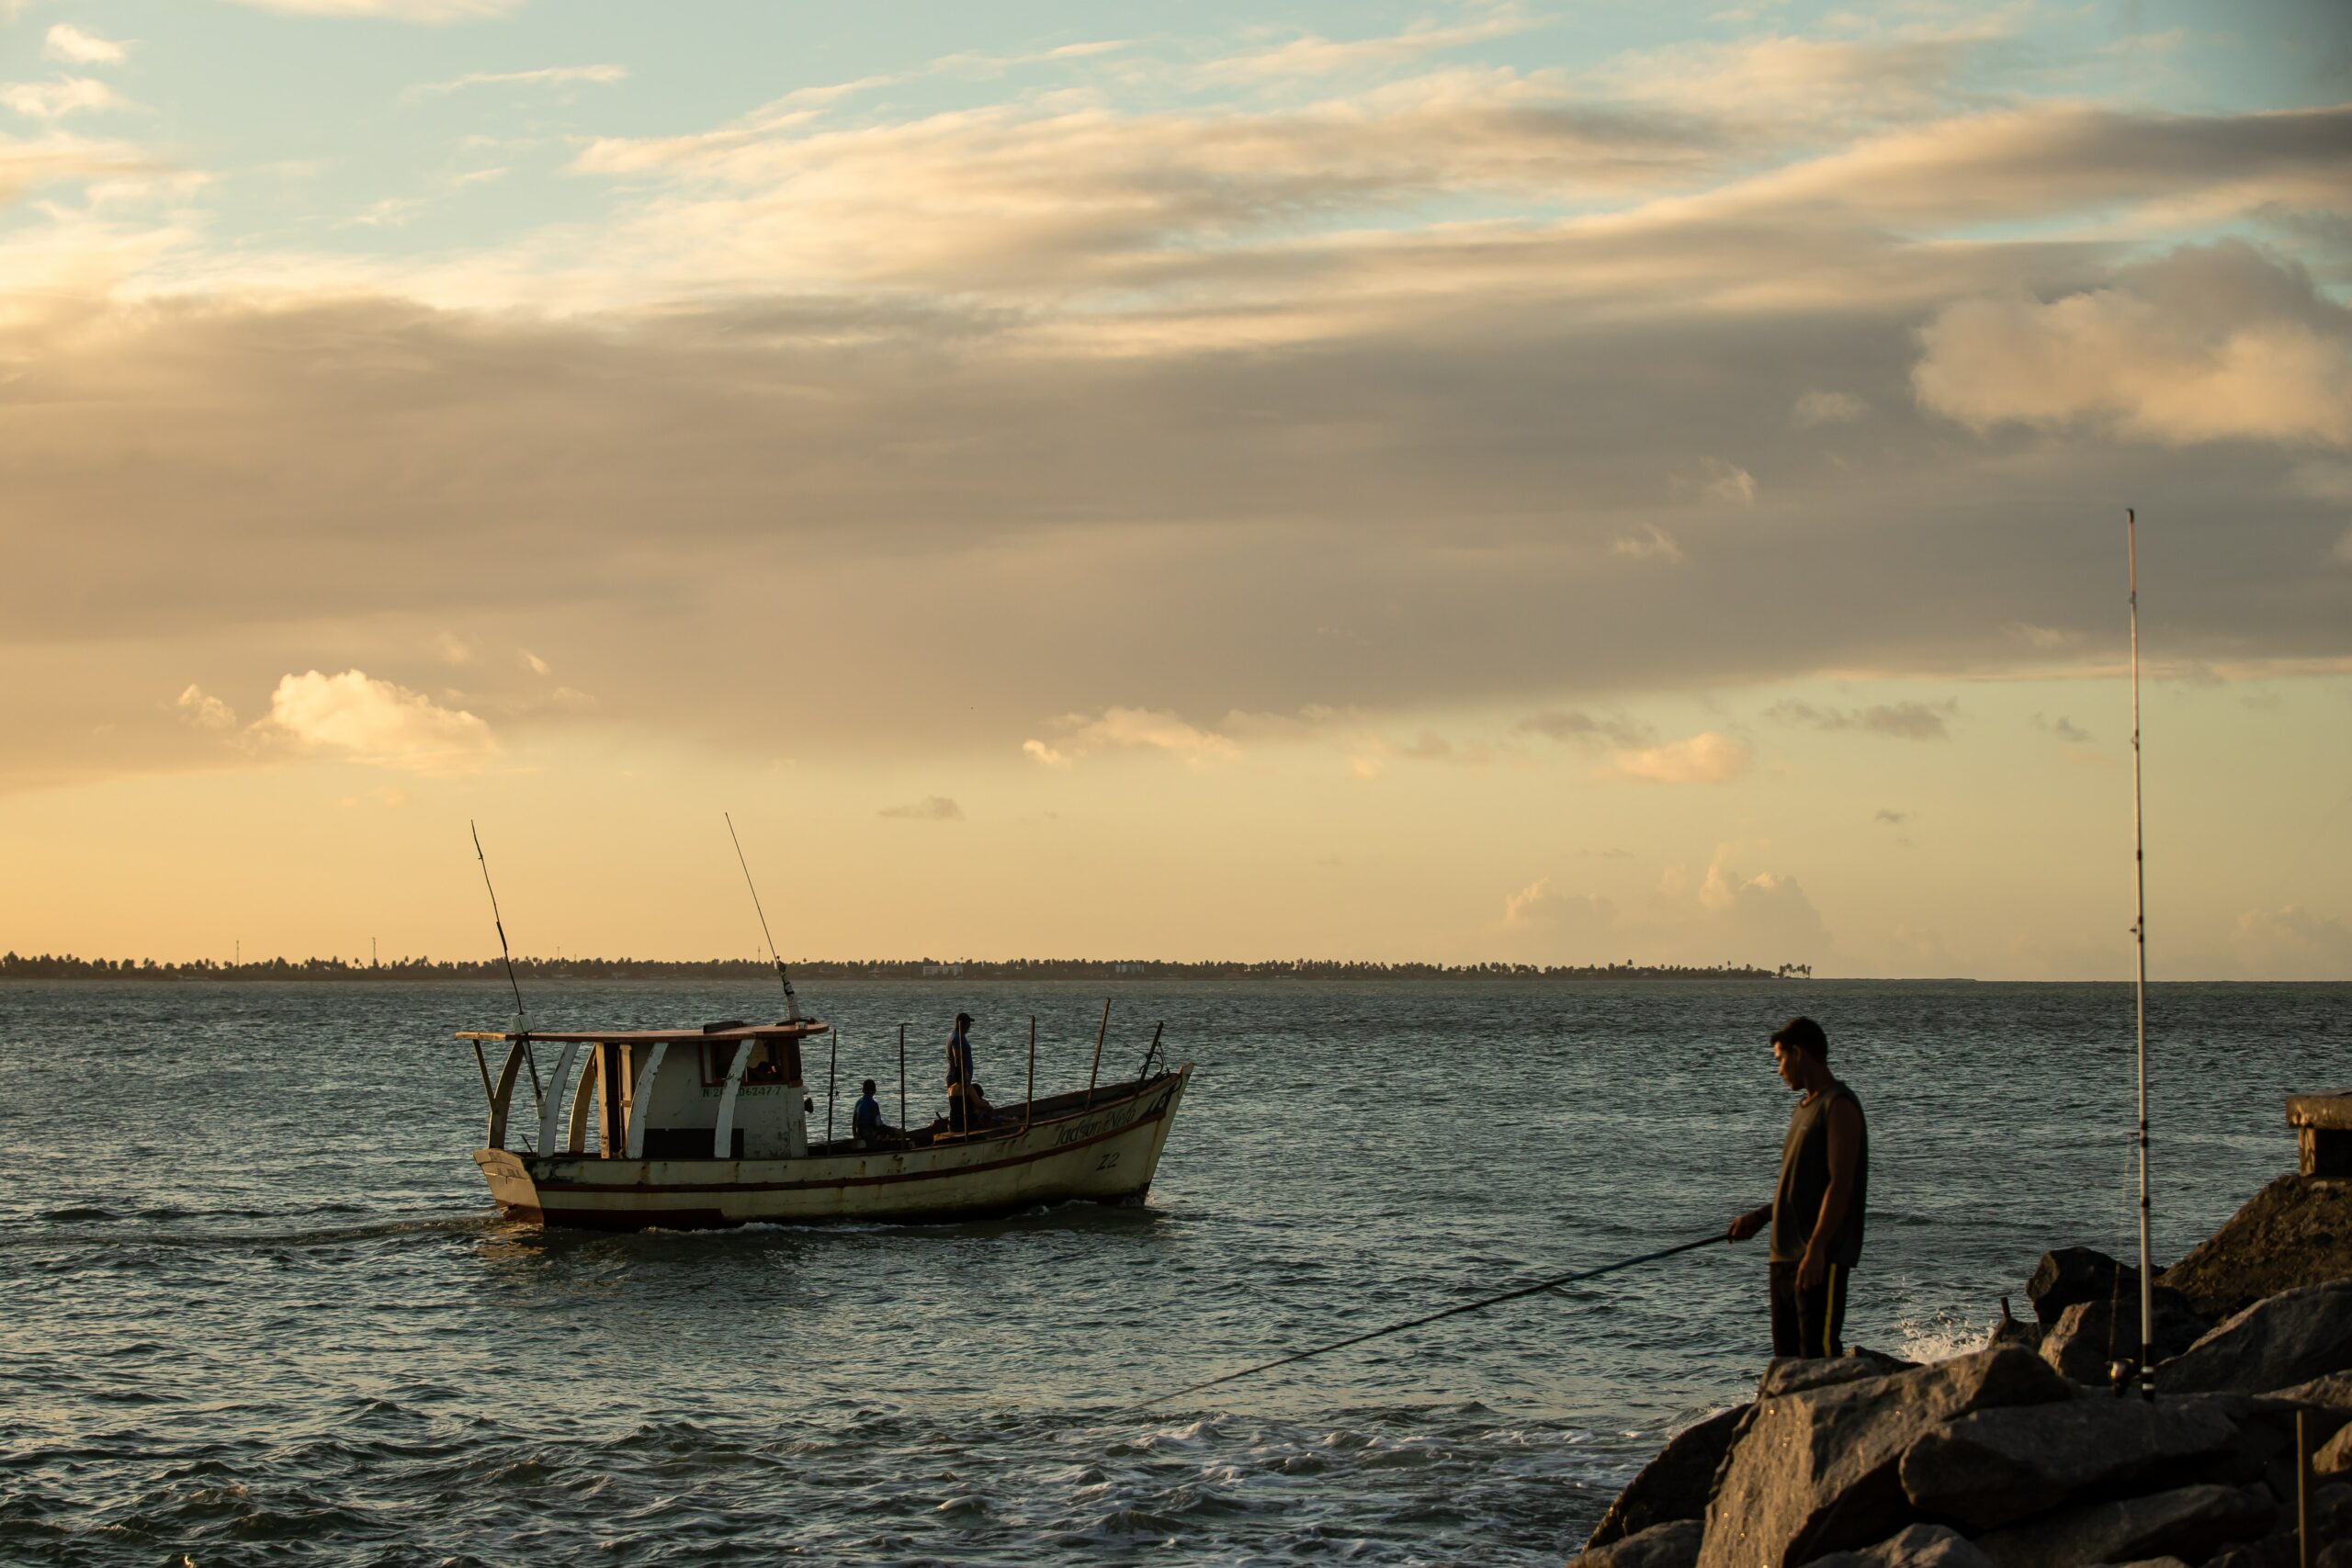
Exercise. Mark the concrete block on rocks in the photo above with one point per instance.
(2277, 1343)
(1996, 1467)
(1819, 1470)
(2089, 1336)
(1674, 1544)
(1675, 1483)
(2190, 1523)
(1915, 1546)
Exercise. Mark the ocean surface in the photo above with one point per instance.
(255, 1306)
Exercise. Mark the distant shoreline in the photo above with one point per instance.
(16, 966)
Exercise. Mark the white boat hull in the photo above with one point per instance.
(1105, 1154)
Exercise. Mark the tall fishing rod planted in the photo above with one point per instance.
(791, 1002)
(522, 1023)
(2140, 939)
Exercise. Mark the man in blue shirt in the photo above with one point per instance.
(866, 1124)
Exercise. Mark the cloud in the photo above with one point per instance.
(931, 808)
(2291, 942)
(532, 661)
(54, 100)
(1656, 542)
(205, 711)
(1574, 724)
(1903, 721)
(2213, 342)
(1895, 818)
(1719, 480)
(76, 47)
(1826, 408)
(1728, 916)
(1143, 728)
(377, 722)
(2065, 729)
(1566, 918)
(424, 11)
(545, 76)
(1706, 758)
(1310, 55)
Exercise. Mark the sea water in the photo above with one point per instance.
(255, 1305)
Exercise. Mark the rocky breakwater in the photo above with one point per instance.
(2026, 1454)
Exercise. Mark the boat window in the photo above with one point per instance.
(718, 1061)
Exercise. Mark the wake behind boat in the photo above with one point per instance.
(708, 1127)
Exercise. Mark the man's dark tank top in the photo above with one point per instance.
(1804, 1179)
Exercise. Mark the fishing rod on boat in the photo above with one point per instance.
(791, 1002)
(1536, 1288)
(522, 1022)
(2140, 938)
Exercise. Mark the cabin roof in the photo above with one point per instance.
(778, 1030)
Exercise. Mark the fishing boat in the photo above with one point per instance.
(686, 1129)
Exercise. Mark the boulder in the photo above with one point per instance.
(2190, 1523)
(2010, 1331)
(2331, 1522)
(2294, 1233)
(2334, 1457)
(1915, 1546)
(1996, 1467)
(2076, 1274)
(2274, 1344)
(1675, 1483)
(2090, 1336)
(1819, 1470)
(1674, 1544)
(1795, 1374)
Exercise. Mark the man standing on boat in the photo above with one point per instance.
(1817, 1210)
(966, 1108)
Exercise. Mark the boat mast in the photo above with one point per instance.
(522, 1024)
(2140, 935)
(791, 1002)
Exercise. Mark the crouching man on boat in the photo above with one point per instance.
(865, 1125)
(1817, 1210)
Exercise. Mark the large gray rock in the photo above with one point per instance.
(1675, 1483)
(1795, 1374)
(2334, 1456)
(1915, 1546)
(2071, 1275)
(2190, 1523)
(1996, 1467)
(2274, 1344)
(2331, 1525)
(2089, 1336)
(1819, 1471)
(1674, 1544)
(2295, 1232)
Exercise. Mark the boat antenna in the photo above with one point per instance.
(2140, 936)
(791, 1002)
(522, 1023)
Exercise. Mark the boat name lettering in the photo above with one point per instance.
(1078, 1131)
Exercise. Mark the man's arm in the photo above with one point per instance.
(1845, 1158)
(1748, 1223)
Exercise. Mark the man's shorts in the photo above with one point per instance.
(1807, 1322)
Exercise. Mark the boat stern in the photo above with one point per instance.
(510, 1186)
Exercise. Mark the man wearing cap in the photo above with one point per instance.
(1817, 1210)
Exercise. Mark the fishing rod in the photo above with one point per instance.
(522, 1023)
(791, 1002)
(1536, 1288)
(2140, 936)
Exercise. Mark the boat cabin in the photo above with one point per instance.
(730, 1090)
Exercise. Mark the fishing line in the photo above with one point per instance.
(522, 1024)
(791, 1002)
(1536, 1288)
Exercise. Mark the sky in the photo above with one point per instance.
(1451, 482)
